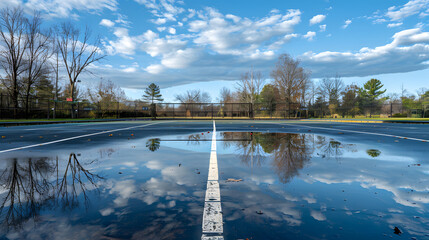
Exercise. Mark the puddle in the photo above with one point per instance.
(272, 185)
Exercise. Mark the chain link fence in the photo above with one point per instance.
(38, 108)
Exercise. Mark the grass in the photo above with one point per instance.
(375, 119)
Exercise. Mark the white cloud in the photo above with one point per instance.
(107, 23)
(230, 35)
(172, 30)
(408, 51)
(322, 28)
(279, 43)
(155, 46)
(159, 21)
(164, 10)
(411, 8)
(180, 58)
(124, 44)
(154, 69)
(391, 25)
(317, 19)
(65, 9)
(310, 35)
(347, 23)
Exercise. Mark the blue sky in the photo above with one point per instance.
(208, 44)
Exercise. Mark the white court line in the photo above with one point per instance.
(77, 124)
(76, 137)
(361, 132)
(212, 215)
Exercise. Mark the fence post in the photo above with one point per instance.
(117, 110)
(49, 106)
(391, 109)
(1, 105)
(212, 111)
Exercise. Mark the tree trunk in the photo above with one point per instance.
(72, 98)
(26, 102)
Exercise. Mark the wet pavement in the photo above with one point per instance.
(278, 182)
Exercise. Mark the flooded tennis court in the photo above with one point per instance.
(242, 180)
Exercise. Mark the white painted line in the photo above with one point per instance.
(211, 237)
(212, 222)
(76, 137)
(213, 192)
(212, 216)
(361, 132)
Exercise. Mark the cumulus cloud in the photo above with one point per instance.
(240, 36)
(322, 28)
(411, 8)
(172, 30)
(124, 44)
(347, 23)
(107, 23)
(409, 51)
(309, 35)
(317, 19)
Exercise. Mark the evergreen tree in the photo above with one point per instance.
(371, 89)
(370, 93)
(152, 93)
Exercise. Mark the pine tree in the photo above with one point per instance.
(369, 95)
(153, 93)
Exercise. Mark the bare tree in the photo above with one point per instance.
(193, 96)
(331, 88)
(77, 54)
(37, 55)
(250, 85)
(14, 45)
(290, 78)
(226, 95)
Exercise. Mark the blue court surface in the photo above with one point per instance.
(215, 180)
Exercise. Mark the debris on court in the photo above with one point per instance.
(397, 231)
(233, 180)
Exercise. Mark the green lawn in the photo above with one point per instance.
(376, 119)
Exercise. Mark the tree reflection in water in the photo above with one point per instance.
(153, 144)
(289, 152)
(32, 184)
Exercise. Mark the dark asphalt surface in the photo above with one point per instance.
(21, 136)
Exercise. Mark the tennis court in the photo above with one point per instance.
(236, 179)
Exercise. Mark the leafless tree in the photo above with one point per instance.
(37, 55)
(290, 78)
(193, 96)
(226, 95)
(330, 89)
(77, 53)
(14, 45)
(250, 85)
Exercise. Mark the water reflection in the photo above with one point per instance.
(373, 152)
(28, 185)
(289, 152)
(153, 144)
